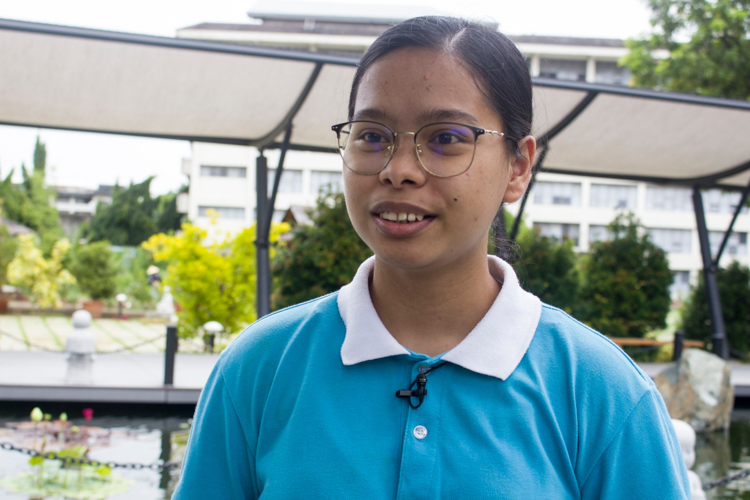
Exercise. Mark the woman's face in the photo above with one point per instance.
(406, 90)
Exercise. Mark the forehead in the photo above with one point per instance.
(412, 84)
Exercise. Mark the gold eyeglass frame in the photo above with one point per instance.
(338, 128)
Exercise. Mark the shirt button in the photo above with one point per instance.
(420, 432)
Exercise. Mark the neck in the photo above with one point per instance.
(432, 311)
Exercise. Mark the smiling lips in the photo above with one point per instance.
(401, 224)
(401, 216)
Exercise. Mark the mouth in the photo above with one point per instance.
(402, 217)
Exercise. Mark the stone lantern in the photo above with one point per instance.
(81, 347)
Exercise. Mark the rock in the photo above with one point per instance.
(698, 390)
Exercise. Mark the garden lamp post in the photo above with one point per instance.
(212, 328)
(121, 298)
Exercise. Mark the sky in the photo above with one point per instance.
(89, 159)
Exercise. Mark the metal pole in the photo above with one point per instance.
(262, 264)
(737, 210)
(277, 180)
(169, 354)
(718, 332)
(679, 344)
(534, 170)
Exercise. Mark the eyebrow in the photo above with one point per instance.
(447, 115)
(371, 114)
(429, 116)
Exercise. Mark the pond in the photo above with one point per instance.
(149, 434)
(119, 433)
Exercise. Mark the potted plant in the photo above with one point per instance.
(96, 272)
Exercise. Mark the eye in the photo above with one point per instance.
(447, 134)
(445, 138)
(372, 137)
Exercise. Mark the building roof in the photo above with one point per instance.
(568, 40)
(82, 192)
(371, 14)
(15, 228)
(295, 26)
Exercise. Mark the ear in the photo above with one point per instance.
(520, 170)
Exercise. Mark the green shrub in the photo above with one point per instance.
(8, 246)
(132, 280)
(734, 290)
(547, 268)
(318, 259)
(625, 292)
(95, 270)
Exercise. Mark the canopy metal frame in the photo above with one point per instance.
(270, 140)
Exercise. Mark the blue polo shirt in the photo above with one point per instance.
(531, 404)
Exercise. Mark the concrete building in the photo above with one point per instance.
(75, 205)
(222, 178)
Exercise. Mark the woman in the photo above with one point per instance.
(432, 374)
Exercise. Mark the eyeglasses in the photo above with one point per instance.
(444, 149)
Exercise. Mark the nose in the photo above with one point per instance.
(404, 167)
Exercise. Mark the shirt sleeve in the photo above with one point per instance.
(643, 460)
(218, 462)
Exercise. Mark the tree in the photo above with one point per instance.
(41, 278)
(30, 202)
(134, 216)
(167, 217)
(734, 290)
(95, 270)
(547, 268)
(714, 62)
(625, 292)
(318, 259)
(40, 156)
(211, 280)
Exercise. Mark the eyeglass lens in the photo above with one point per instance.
(444, 149)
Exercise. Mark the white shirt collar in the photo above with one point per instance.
(494, 347)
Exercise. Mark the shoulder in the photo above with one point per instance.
(270, 338)
(576, 344)
(585, 371)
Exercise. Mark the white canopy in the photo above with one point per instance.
(82, 79)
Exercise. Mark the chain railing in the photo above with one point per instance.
(726, 480)
(68, 460)
(115, 351)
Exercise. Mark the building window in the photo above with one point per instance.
(559, 231)
(736, 244)
(563, 69)
(668, 198)
(212, 171)
(672, 240)
(557, 193)
(599, 233)
(291, 181)
(716, 200)
(319, 179)
(680, 287)
(614, 196)
(224, 212)
(610, 73)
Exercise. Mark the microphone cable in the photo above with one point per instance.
(421, 382)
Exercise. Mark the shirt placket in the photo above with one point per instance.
(420, 439)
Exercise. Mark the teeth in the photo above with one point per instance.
(401, 217)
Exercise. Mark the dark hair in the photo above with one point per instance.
(497, 66)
